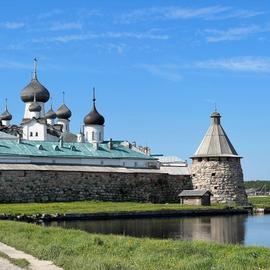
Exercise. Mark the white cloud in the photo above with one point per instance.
(58, 26)
(106, 35)
(13, 65)
(49, 14)
(236, 33)
(169, 72)
(173, 13)
(12, 25)
(237, 64)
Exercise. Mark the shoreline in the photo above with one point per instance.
(37, 218)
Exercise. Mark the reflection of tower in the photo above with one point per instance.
(228, 229)
(216, 166)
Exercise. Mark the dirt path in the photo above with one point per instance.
(35, 264)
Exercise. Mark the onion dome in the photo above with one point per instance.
(50, 114)
(34, 106)
(35, 88)
(6, 115)
(63, 111)
(94, 117)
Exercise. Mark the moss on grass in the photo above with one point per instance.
(73, 249)
(23, 263)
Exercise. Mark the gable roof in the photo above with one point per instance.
(216, 142)
(194, 193)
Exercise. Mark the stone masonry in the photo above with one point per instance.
(54, 186)
(222, 176)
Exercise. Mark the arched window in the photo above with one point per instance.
(93, 135)
(31, 134)
(36, 134)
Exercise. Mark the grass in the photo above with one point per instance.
(92, 207)
(22, 263)
(260, 201)
(73, 249)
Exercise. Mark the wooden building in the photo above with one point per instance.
(195, 197)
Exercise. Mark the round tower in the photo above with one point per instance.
(216, 166)
(94, 124)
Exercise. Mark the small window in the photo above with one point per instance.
(31, 134)
(36, 134)
(213, 174)
(102, 162)
(194, 174)
(100, 136)
(196, 187)
(93, 135)
(200, 159)
(135, 164)
(215, 187)
(124, 164)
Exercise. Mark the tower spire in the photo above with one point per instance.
(6, 106)
(35, 68)
(63, 97)
(94, 95)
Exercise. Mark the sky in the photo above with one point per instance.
(159, 68)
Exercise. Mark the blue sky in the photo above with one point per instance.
(158, 68)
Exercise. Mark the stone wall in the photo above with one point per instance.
(52, 186)
(222, 176)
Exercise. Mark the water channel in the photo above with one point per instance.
(236, 229)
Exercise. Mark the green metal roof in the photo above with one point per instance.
(75, 150)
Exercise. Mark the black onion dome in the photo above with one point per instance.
(94, 118)
(35, 88)
(50, 114)
(34, 107)
(6, 116)
(63, 112)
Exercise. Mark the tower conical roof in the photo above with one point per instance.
(215, 142)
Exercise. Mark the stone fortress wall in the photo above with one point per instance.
(58, 184)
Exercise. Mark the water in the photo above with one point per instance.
(237, 229)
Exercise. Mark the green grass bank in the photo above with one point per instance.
(260, 201)
(93, 207)
(72, 249)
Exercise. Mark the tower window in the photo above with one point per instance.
(215, 187)
(100, 136)
(213, 174)
(93, 135)
(36, 134)
(194, 174)
(31, 134)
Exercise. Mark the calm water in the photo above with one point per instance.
(242, 229)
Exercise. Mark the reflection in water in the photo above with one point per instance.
(227, 229)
